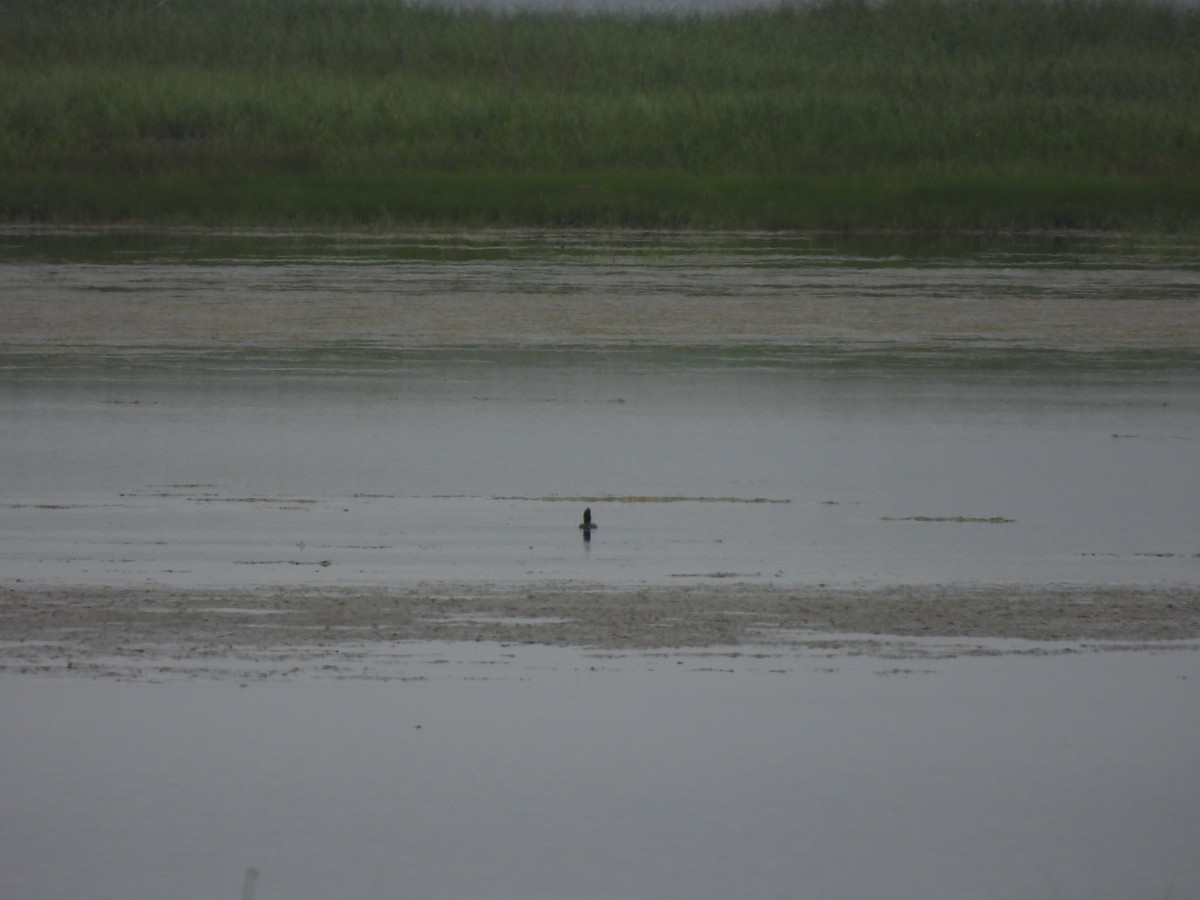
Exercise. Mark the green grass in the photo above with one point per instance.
(913, 114)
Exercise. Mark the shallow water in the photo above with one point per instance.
(213, 417)
(198, 408)
(534, 772)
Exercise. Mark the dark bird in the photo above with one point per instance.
(587, 524)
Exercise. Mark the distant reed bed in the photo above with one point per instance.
(906, 113)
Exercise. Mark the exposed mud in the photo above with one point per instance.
(109, 631)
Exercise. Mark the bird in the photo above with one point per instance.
(587, 524)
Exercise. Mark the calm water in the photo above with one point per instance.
(215, 408)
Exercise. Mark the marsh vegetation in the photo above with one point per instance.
(910, 113)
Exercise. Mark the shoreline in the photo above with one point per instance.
(881, 201)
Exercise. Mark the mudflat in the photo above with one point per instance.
(287, 632)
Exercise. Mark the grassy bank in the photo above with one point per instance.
(915, 113)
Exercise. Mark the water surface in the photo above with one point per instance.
(196, 425)
(244, 408)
